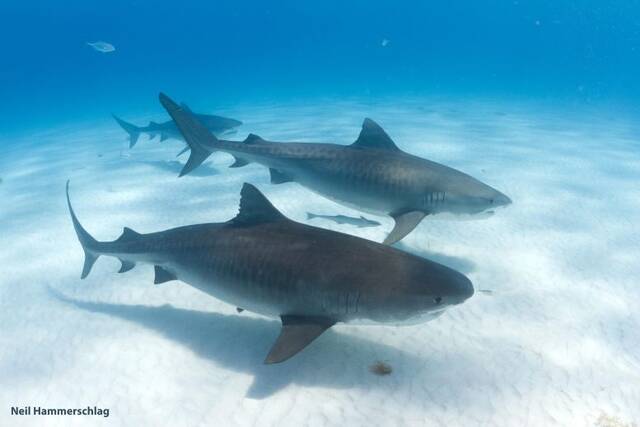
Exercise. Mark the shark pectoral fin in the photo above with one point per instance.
(163, 275)
(278, 177)
(405, 223)
(239, 162)
(126, 266)
(297, 333)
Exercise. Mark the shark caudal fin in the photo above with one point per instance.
(132, 130)
(200, 140)
(88, 243)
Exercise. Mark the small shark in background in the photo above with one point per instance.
(215, 124)
(343, 219)
(310, 277)
(372, 174)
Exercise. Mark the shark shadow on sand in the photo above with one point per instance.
(174, 166)
(239, 342)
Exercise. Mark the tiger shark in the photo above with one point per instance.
(215, 124)
(372, 174)
(311, 278)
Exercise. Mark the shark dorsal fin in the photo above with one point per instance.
(255, 208)
(253, 139)
(373, 136)
(128, 235)
(185, 107)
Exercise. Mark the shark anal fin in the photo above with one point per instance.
(255, 208)
(373, 136)
(163, 275)
(278, 177)
(405, 223)
(297, 333)
(239, 162)
(126, 266)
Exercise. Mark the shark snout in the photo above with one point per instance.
(500, 200)
(461, 289)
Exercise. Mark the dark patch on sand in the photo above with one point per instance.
(380, 368)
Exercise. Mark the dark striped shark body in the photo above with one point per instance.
(310, 277)
(372, 174)
(217, 125)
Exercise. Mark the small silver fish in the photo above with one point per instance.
(343, 219)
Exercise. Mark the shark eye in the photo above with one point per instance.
(491, 201)
(437, 300)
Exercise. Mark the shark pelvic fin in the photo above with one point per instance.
(200, 140)
(126, 266)
(162, 275)
(255, 208)
(373, 136)
(239, 310)
(297, 333)
(278, 177)
(239, 162)
(163, 136)
(405, 223)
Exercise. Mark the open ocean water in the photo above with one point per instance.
(537, 99)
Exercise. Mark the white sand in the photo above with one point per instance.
(556, 343)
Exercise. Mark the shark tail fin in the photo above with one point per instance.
(89, 244)
(131, 129)
(201, 142)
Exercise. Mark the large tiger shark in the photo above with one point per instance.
(217, 125)
(310, 277)
(372, 174)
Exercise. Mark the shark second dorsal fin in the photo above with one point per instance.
(128, 235)
(255, 208)
(253, 139)
(373, 136)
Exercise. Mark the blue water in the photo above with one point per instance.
(225, 52)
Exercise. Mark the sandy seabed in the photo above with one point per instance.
(553, 339)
